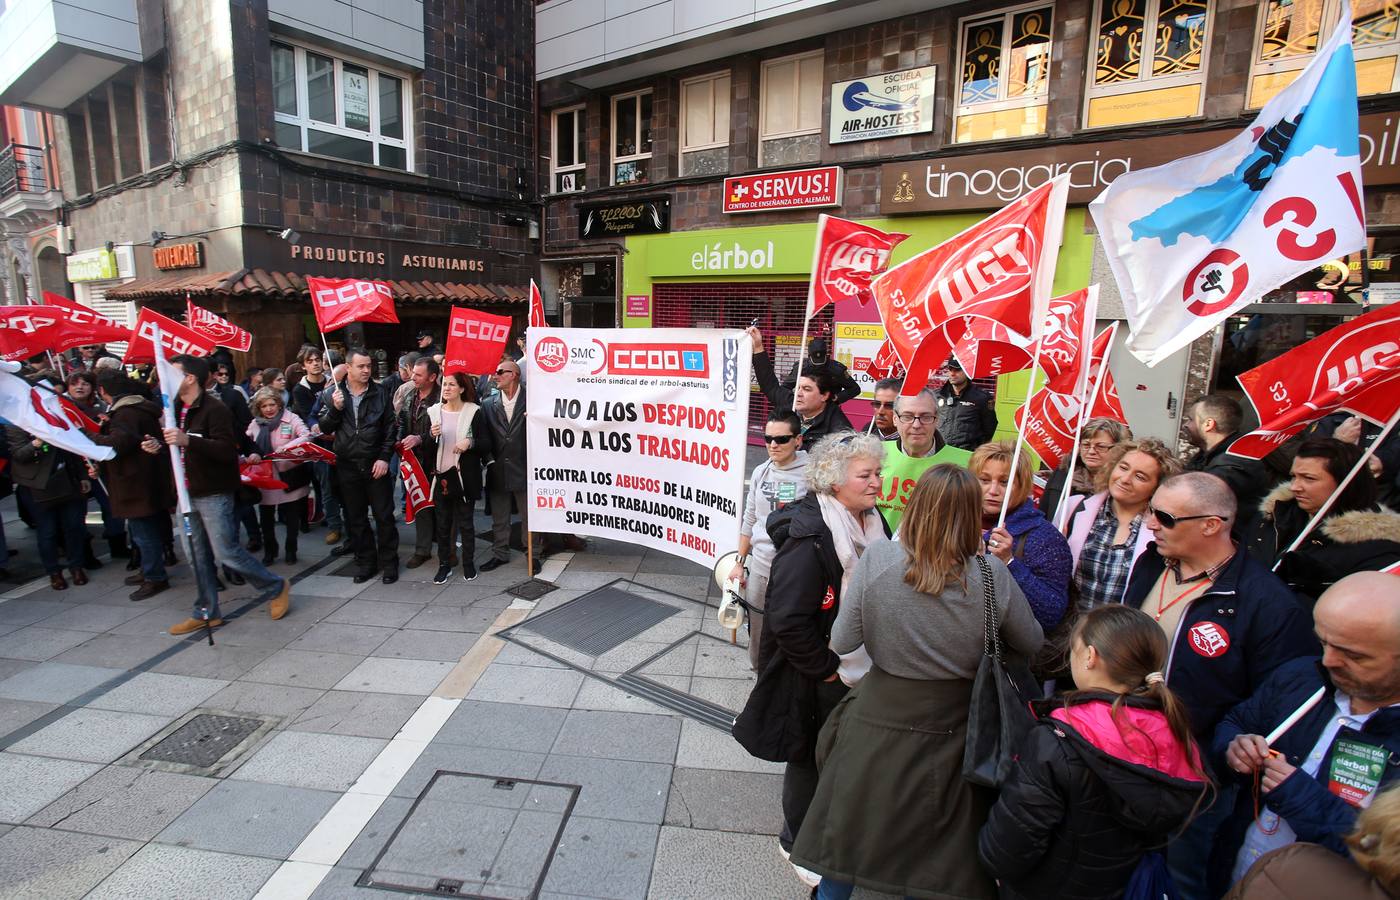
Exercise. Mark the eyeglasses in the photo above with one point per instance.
(1170, 521)
(921, 418)
(222, 373)
(778, 438)
(1099, 448)
(882, 404)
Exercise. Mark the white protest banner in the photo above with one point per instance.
(639, 435)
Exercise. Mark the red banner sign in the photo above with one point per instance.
(799, 189)
(340, 301)
(417, 490)
(217, 329)
(476, 341)
(174, 337)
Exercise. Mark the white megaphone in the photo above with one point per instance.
(727, 572)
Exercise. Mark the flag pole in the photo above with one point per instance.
(806, 310)
(1331, 500)
(1063, 503)
(1020, 436)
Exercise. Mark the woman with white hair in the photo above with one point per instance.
(818, 542)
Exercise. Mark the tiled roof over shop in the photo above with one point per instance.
(292, 286)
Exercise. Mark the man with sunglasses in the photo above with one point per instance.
(1229, 622)
(504, 413)
(777, 481)
(886, 393)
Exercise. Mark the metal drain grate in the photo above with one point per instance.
(600, 620)
(533, 589)
(203, 740)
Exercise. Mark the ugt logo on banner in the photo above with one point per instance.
(476, 341)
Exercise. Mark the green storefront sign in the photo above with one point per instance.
(92, 265)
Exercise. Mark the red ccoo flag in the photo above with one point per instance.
(847, 258)
(536, 306)
(1354, 367)
(174, 337)
(340, 301)
(417, 490)
(221, 331)
(476, 341)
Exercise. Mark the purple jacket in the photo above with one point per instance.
(1042, 564)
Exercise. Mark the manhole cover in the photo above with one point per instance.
(475, 836)
(203, 740)
(533, 589)
(600, 620)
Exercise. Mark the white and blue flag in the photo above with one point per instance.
(1192, 241)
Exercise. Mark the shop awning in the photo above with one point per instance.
(292, 286)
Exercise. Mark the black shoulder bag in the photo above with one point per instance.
(999, 715)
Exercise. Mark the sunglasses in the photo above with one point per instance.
(882, 404)
(778, 438)
(505, 371)
(1170, 521)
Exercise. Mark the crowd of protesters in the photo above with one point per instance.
(467, 435)
(1167, 630)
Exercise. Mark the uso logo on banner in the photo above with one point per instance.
(1209, 639)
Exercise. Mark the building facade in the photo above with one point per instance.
(224, 151)
(919, 118)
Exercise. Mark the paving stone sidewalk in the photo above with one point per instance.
(561, 763)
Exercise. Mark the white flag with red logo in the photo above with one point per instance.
(174, 337)
(1193, 241)
(417, 489)
(220, 330)
(304, 450)
(998, 270)
(536, 306)
(1354, 367)
(40, 412)
(1053, 414)
(339, 301)
(846, 260)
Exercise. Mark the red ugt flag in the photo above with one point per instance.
(1107, 405)
(999, 269)
(304, 450)
(848, 256)
(1051, 419)
(221, 331)
(476, 341)
(536, 306)
(417, 491)
(174, 337)
(340, 301)
(1354, 367)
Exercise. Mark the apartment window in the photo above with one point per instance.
(1289, 34)
(341, 108)
(631, 136)
(570, 150)
(82, 158)
(790, 109)
(1005, 75)
(704, 135)
(1149, 61)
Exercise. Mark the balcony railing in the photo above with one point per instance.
(23, 169)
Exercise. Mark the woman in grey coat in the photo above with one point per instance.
(892, 812)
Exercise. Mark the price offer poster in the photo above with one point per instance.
(639, 435)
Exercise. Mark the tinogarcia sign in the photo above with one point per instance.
(881, 106)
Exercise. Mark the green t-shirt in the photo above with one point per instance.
(900, 472)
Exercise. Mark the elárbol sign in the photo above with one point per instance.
(178, 256)
(991, 180)
(602, 220)
(799, 189)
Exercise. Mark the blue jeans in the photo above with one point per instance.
(330, 503)
(113, 527)
(836, 890)
(215, 540)
(148, 533)
(52, 518)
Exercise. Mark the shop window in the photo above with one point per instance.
(631, 137)
(337, 107)
(1149, 61)
(790, 110)
(704, 135)
(1290, 32)
(570, 150)
(1005, 75)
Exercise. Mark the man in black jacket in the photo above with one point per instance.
(207, 441)
(504, 412)
(1212, 426)
(813, 398)
(966, 416)
(414, 414)
(361, 416)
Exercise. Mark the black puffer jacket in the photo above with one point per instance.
(1083, 806)
(792, 698)
(967, 420)
(1249, 479)
(829, 420)
(368, 437)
